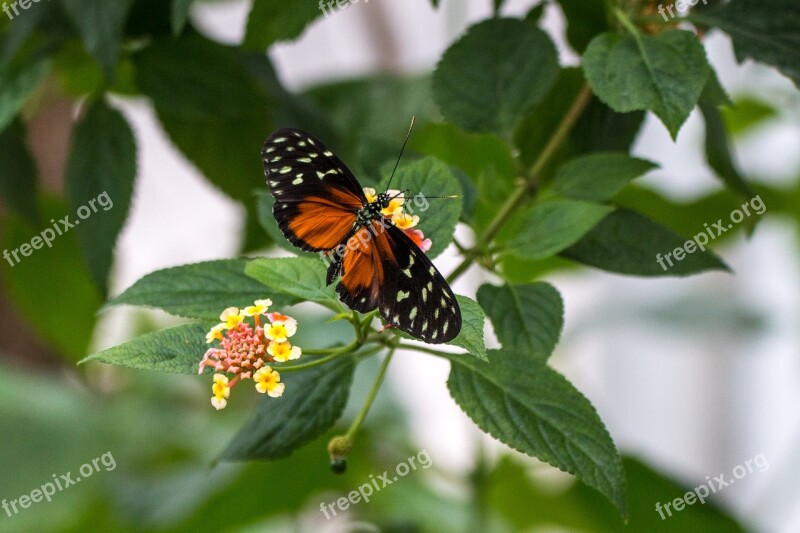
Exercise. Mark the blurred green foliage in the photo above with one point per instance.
(540, 155)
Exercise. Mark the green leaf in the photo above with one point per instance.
(529, 503)
(271, 21)
(598, 177)
(550, 226)
(535, 14)
(301, 277)
(527, 319)
(474, 153)
(180, 14)
(210, 107)
(100, 175)
(747, 113)
(200, 290)
(714, 93)
(585, 19)
(18, 179)
(16, 85)
(535, 410)
(471, 335)
(664, 74)
(77, 71)
(101, 25)
(764, 30)
(438, 216)
(689, 217)
(195, 78)
(719, 151)
(53, 276)
(599, 128)
(177, 350)
(311, 404)
(371, 117)
(629, 243)
(222, 149)
(494, 74)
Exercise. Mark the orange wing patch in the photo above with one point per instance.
(325, 222)
(363, 264)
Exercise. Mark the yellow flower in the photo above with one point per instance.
(247, 345)
(231, 317)
(283, 351)
(371, 195)
(281, 328)
(395, 206)
(215, 333)
(405, 221)
(221, 392)
(268, 381)
(259, 308)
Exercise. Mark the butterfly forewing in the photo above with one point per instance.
(316, 196)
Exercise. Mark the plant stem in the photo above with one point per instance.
(326, 351)
(317, 362)
(356, 425)
(623, 18)
(477, 479)
(520, 193)
(423, 349)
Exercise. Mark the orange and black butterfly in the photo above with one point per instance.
(320, 207)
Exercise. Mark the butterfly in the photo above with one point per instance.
(320, 207)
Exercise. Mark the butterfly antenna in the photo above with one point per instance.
(408, 135)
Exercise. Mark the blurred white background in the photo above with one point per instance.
(694, 402)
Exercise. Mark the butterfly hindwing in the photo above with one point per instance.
(421, 303)
(367, 265)
(316, 195)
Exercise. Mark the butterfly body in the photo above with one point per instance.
(320, 207)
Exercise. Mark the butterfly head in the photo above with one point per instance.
(383, 199)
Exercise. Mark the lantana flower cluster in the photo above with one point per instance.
(245, 346)
(396, 212)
